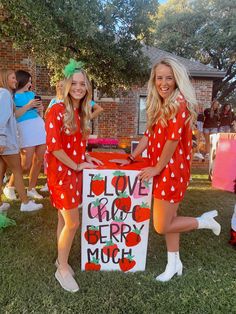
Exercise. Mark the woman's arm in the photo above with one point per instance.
(31, 104)
(5, 113)
(142, 145)
(96, 111)
(66, 160)
(40, 109)
(167, 152)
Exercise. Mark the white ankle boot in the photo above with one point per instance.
(207, 221)
(174, 266)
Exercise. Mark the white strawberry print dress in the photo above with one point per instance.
(173, 181)
(65, 184)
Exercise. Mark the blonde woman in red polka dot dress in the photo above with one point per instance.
(66, 129)
(168, 139)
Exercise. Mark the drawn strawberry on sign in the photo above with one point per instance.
(123, 202)
(127, 263)
(93, 265)
(92, 235)
(98, 210)
(120, 180)
(141, 212)
(116, 225)
(98, 184)
(133, 238)
(139, 189)
(110, 249)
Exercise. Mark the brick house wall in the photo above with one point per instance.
(119, 118)
(203, 88)
(15, 59)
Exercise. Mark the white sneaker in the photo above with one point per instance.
(67, 281)
(69, 267)
(44, 188)
(5, 179)
(4, 207)
(9, 192)
(34, 194)
(30, 206)
(198, 156)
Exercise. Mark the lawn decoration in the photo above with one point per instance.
(6, 222)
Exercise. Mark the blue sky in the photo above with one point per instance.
(162, 1)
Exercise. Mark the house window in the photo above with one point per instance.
(104, 97)
(142, 120)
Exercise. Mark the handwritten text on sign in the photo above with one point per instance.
(115, 223)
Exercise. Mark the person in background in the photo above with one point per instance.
(96, 110)
(211, 123)
(199, 132)
(9, 147)
(67, 131)
(168, 139)
(226, 119)
(59, 94)
(29, 112)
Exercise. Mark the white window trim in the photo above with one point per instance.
(139, 97)
(104, 99)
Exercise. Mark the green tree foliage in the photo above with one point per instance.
(106, 35)
(204, 30)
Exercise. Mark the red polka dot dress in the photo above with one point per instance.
(65, 184)
(173, 181)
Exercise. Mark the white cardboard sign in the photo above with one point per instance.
(115, 220)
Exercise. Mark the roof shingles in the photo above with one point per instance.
(195, 68)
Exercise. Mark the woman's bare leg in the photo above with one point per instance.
(3, 168)
(207, 139)
(60, 224)
(168, 223)
(37, 162)
(66, 237)
(26, 155)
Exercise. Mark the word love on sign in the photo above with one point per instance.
(115, 222)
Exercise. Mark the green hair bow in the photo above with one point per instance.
(72, 67)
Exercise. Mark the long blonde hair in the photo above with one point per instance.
(59, 90)
(4, 74)
(84, 108)
(212, 110)
(163, 110)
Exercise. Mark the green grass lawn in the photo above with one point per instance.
(208, 285)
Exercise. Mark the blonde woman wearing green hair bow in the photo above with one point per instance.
(66, 133)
